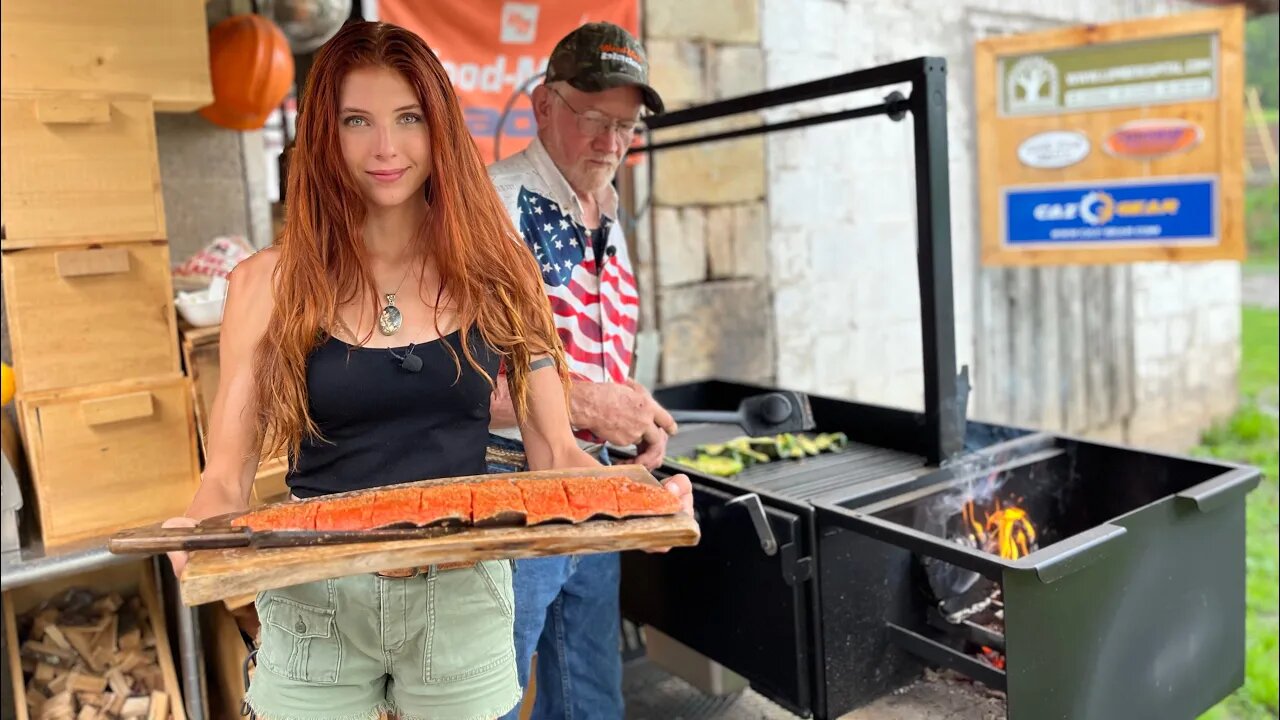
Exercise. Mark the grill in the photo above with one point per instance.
(808, 479)
(830, 581)
(812, 579)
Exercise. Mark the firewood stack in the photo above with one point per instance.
(89, 656)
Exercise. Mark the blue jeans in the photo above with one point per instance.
(567, 609)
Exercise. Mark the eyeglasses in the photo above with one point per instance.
(593, 124)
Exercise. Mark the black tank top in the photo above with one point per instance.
(381, 424)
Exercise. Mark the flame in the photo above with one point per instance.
(1005, 531)
(994, 657)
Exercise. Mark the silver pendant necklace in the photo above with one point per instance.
(390, 319)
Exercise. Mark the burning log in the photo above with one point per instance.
(89, 656)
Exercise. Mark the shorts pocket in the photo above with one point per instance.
(470, 626)
(299, 641)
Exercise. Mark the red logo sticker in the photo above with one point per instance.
(1147, 139)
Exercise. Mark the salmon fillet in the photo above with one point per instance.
(289, 516)
(544, 501)
(497, 502)
(589, 497)
(396, 506)
(344, 514)
(445, 504)
(637, 499)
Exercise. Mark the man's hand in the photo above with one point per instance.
(652, 448)
(621, 414)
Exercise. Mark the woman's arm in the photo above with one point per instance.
(549, 443)
(548, 438)
(233, 443)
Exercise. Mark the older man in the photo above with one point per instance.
(560, 196)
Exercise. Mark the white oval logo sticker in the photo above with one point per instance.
(1053, 149)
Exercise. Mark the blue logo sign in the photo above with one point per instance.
(1160, 212)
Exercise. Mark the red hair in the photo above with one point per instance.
(484, 268)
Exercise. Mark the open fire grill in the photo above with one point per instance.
(1084, 580)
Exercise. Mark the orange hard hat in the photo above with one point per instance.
(252, 70)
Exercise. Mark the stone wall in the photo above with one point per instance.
(705, 248)
(837, 280)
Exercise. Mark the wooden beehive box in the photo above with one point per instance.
(108, 457)
(83, 316)
(157, 48)
(78, 168)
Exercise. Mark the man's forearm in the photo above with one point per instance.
(584, 405)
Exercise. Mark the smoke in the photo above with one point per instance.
(978, 479)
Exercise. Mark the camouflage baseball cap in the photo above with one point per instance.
(598, 56)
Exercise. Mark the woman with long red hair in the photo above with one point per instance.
(365, 346)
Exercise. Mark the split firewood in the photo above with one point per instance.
(101, 658)
(93, 699)
(83, 644)
(129, 640)
(49, 654)
(109, 604)
(44, 673)
(35, 700)
(59, 707)
(106, 635)
(54, 635)
(85, 682)
(119, 684)
(86, 655)
(127, 661)
(42, 620)
(137, 706)
(159, 706)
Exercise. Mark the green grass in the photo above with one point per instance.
(1261, 207)
(1252, 436)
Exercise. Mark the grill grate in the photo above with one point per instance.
(809, 478)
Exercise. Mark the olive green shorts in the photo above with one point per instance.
(436, 646)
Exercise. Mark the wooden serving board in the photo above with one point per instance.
(213, 575)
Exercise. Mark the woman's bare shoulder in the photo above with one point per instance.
(250, 295)
(258, 267)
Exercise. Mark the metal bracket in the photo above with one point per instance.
(795, 569)
(898, 105)
(755, 508)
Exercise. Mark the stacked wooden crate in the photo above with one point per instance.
(200, 352)
(105, 410)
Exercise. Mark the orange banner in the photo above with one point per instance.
(491, 48)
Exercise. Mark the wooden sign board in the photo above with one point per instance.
(1113, 143)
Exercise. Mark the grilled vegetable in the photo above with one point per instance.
(733, 456)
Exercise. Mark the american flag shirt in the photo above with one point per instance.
(587, 276)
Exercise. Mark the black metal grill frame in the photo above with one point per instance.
(945, 395)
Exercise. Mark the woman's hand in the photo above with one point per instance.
(680, 486)
(178, 557)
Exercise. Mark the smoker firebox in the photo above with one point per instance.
(1132, 607)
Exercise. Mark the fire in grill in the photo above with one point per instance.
(968, 605)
